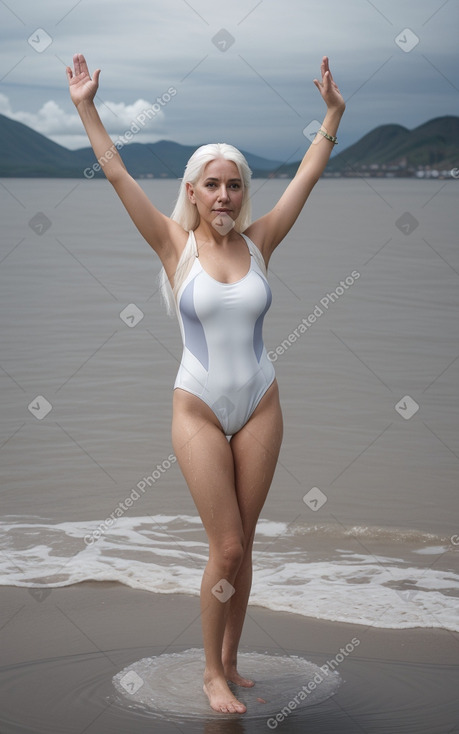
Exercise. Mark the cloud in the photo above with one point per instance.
(66, 128)
(49, 119)
(258, 93)
(118, 116)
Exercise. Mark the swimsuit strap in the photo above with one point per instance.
(257, 256)
(248, 242)
(257, 259)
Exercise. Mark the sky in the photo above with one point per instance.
(242, 72)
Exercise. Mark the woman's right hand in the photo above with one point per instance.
(82, 88)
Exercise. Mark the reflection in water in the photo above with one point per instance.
(170, 686)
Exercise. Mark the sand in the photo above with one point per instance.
(60, 649)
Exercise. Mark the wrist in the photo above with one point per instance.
(84, 105)
(336, 110)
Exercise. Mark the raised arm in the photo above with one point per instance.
(159, 231)
(268, 231)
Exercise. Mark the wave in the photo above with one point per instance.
(382, 577)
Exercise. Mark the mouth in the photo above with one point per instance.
(222, 211)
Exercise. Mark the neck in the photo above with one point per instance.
(205, 232)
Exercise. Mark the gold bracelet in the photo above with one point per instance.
(329, 137)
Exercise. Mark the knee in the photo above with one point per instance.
(228, 555)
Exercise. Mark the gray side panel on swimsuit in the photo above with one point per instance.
(258, 328)
(195, 339)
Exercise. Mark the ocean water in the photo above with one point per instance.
(361, 523)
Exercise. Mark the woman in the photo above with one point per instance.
(227, 421)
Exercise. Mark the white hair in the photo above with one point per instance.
(187, 215)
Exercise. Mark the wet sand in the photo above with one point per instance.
(61, 648)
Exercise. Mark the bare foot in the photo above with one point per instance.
(232, 675)
(220, 697)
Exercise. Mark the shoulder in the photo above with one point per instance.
(256, 233)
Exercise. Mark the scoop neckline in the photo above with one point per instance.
(220, 282)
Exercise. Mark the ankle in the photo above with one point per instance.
(213, 674)
(229, 663)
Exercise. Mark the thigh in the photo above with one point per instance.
(206, 461)
(255, 451)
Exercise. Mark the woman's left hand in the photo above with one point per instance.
(328, 89)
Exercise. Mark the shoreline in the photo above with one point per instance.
(54, 641)
(328, 634)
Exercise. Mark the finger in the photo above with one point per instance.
(95, 76)
(83, 65)
(317, 83)
(68, 72)
(76, 64)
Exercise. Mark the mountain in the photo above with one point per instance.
(26, 153)
(435, 144)
(167, 159)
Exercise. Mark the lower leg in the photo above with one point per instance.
(214, 614)
(235, 622)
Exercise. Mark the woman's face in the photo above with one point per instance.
(218, 195)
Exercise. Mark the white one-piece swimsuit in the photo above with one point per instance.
(224, 361)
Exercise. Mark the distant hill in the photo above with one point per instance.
(26, 153)
(435, 144)
(167, 159)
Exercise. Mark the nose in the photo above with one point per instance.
(223, 193)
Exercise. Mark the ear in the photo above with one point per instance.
(190, 192)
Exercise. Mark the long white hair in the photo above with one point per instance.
(187, 215)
